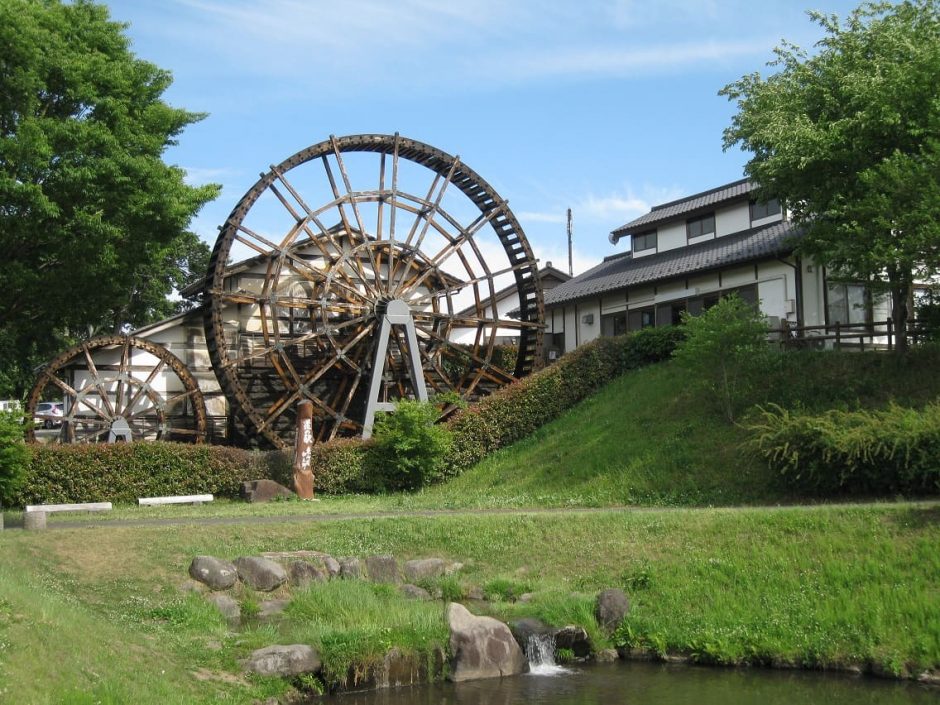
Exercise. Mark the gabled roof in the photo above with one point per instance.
(689, 204)
(506, 291)
(622, 271)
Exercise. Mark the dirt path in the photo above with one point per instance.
(432, 513)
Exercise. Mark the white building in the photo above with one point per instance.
(684, 255)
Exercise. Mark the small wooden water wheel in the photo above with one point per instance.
(373, 268)
(119, 388)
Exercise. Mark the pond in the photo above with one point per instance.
(660, 684)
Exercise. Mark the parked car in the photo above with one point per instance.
(49, 414)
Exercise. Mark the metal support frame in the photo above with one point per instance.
(396, 313)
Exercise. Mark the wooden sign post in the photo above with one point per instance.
(303, 451)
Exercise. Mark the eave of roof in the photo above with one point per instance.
(689, 204)
(620, 272)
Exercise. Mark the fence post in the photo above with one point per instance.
(838, 335)
(890, 334)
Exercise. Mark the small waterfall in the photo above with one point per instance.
(540, 650)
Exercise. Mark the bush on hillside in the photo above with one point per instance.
(14, 455)
(888, 450)
(723, 352)
(409, 449)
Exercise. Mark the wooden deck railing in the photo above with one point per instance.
(880, 335)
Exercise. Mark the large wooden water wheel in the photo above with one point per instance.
(374, 268)
(118, 388)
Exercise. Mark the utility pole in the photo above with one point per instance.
(570, 263)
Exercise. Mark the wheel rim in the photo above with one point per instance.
(136, 390)
(352, 235)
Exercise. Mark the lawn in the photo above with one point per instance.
(95, 614)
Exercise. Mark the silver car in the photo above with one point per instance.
(49, 414)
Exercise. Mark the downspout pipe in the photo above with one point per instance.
(798, 284)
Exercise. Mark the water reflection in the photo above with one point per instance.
(654, 684)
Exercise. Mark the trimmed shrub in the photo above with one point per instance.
(889, 450)
(14, 455)
(122, 472)
(409, 448)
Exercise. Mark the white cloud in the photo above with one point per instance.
(613, 209)
(198, 175)
(347, 45)
(633, 14)
(541, 217)
(613, 60)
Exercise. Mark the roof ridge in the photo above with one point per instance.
(699, 195)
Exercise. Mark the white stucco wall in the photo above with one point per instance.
(733, 219)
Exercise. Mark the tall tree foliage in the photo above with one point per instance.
(848, 136)
(93, 223)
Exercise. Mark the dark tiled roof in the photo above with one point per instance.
(673, 209)
(621, 271)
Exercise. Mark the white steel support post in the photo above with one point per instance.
(396, 313)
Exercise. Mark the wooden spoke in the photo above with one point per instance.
(146, 385)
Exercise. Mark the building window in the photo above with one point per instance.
(614, 324)
(641, 318)
(697, 227)
(644, 241)
(846, 304)
(764, 209)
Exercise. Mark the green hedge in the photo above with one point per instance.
(122, 472)
(895, 449)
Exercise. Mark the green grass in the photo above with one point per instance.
(97, 612)
(644, 439)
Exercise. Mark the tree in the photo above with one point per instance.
(723, 351)
(849, 139)
(93, 223)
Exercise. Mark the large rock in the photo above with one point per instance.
(265, 491)
(331, 564)
(292, 660)
(260, 573)
(227, 606)
(315, 557)
(302, 573)
(527, 628)
(382, 569)
(350, 567)
(574, 638)
(481, 647)
(216, 573)
(413, 592)
(611, 607)
(424, 568)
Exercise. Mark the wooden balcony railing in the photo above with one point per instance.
(881, 335)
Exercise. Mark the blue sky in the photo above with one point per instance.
(606, 107)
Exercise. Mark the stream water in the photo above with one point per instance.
(659, 684)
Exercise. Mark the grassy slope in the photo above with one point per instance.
(644, 439)
(97, 610)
